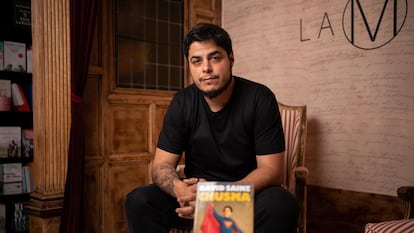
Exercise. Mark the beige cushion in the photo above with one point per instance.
(398, 226)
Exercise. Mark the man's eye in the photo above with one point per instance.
(196, 61)
(215, 58)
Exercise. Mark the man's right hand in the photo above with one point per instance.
(187, 199)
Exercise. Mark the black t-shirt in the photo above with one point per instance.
(222, 146)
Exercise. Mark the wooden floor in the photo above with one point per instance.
(341, 211)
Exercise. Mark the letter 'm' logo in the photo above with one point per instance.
(368, 24)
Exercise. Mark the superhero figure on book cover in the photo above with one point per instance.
(215, 223)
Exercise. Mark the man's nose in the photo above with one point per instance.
(207, 67)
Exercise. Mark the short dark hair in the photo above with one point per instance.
(229, 207)
(208, 31)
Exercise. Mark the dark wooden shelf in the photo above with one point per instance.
(16, 77)
(22, 119)
(23, 197)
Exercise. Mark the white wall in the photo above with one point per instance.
(360, 101)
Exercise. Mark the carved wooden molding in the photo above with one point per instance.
(45, 206)
(51, 96)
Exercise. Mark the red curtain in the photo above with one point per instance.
(83, 15)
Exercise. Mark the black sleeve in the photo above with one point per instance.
(172, 134)
(269, 137)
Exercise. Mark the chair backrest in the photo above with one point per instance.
(294, 126)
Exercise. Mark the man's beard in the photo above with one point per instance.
(214, 93)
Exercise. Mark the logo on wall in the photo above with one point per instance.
(370, 25)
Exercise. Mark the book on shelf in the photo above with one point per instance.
(29, 59)
(224, 205)
(27, 179)
(2, 218)
(11, 172)
(27, 143)
(17, 218)
(28, 93)
(10, 141)
(5, 96)
(14, 56)
(1, 56)
(11, 188)
(20, 103)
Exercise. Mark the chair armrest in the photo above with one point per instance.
(301, 173)
(407, 194)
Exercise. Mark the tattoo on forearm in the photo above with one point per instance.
(164, 177)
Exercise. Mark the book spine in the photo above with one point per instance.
(1, 57)
(29, 59)
(27, 179)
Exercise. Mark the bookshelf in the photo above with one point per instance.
(16, 114)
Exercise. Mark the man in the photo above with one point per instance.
(230, 130)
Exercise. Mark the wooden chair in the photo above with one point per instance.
(405, 225)
(294, 126)
(294, 123)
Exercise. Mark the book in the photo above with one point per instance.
(11, 188)
(1, 57)
(11, 172)
(5, 95)
(27, 143)
(224, 204)
(20, 103)
(2, 218)
(14, 56)
(10, 141)
(18, 218)
(28, 93)
(27, 179)
(29, 59)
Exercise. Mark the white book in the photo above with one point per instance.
(14, 56)
(11, 172)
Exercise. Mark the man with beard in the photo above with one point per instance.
(229, 129)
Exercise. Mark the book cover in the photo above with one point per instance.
(1, 56)
(10, 141)
(20, 103)
(11, 172)
(5, 96)
(224, 207)
(11, 188)
(27, 143)
(14, 56)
